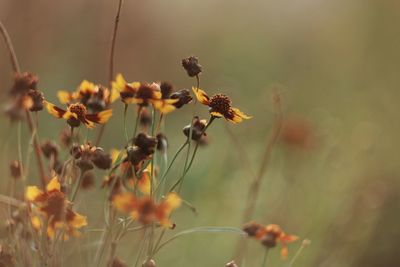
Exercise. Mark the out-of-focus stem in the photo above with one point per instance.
(254, 189)
(111, 64)
(31, 125)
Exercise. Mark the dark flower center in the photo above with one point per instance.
(144, 92)
(220, 103)
(78, 109)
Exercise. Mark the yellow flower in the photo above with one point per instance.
(88, 94)
(220, 106)
(143, 94)
(54, 206)
(77, 114)
(146, 210)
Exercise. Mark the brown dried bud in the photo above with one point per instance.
(76, 151)
(149, 263)
(50, 149)
(252, 228)
(84, 164)
(135, 155)
(145, 118)
(231, 264)
(88, 180)
(183, 97)
(23, 82)
(15, 169)
(192, 66)
(37, 100)
(162, 142)
(197, 129)
(116, 262)
(166, 89)
(6, 258)
(101, 159)
(66, 137)
(269, 240)
(146, 143)
(97, 101)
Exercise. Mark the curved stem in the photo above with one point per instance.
(7, 40)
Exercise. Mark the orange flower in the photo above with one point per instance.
(143, 94)
(56, 208)
(77, 114)
(220, 106)
(145, 210)
(270, 235)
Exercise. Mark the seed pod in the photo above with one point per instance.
(183, 97)
(192, 66)
(101, 159)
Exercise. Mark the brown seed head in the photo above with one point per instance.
(269, 240)
(146, 143)
(101, 159)
(192, 66)
(222, 104)
(50, 149)
(37, 100)
(252, 228)
(23, 82)
(183, 97)
(197, 130)
(166, 89)
(15, 169)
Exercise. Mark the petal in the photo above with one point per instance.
(86, 87)
(133, 100)
(88, 124)
(54, 184)
(289, 238)
(239, 113)
(201, 96)
(163, 106)
(114, 95)
(101, 117)
(216, 114)
(36, 223)
(32, 193)
(77, 221)
(64, 97)
(119, 83)
(173, 201)
(144, 183)
(124, 202)
(54, 110)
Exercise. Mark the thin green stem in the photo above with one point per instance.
(265, 258)
(125, 130)
(78, 185)
(136, 124)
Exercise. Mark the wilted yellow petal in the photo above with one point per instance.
(104, 115)
(144, 183)
(64, 97)
(32, 192)
(54, 184)
(201, 96)
(36, 223)
(123, 202)
(173, 200)
(78, 221)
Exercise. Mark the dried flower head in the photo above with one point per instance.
(37, 98)
(192, 66)
(15, 169)
(88, 155)
(77, 114)
(7, 259)
(146, 143)
(146, 210)
(183, 97)
(50, 149)
(270, 235)
(220, 105)
(23, 82)
(56, 208)
(197, 129)
(166, 89)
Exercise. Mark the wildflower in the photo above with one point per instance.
(88, 155)
(270, 235)
(15, 169)
(145, 210)
(143, 94)
(220, 105)
(143, 147)
(192, 66)
(183, 97)
(197, 129)
(125, 89)
(77, 114)
(94, 97)
(56, 208)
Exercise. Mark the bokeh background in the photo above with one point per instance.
(334, 174)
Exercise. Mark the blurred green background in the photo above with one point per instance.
(334, 179)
